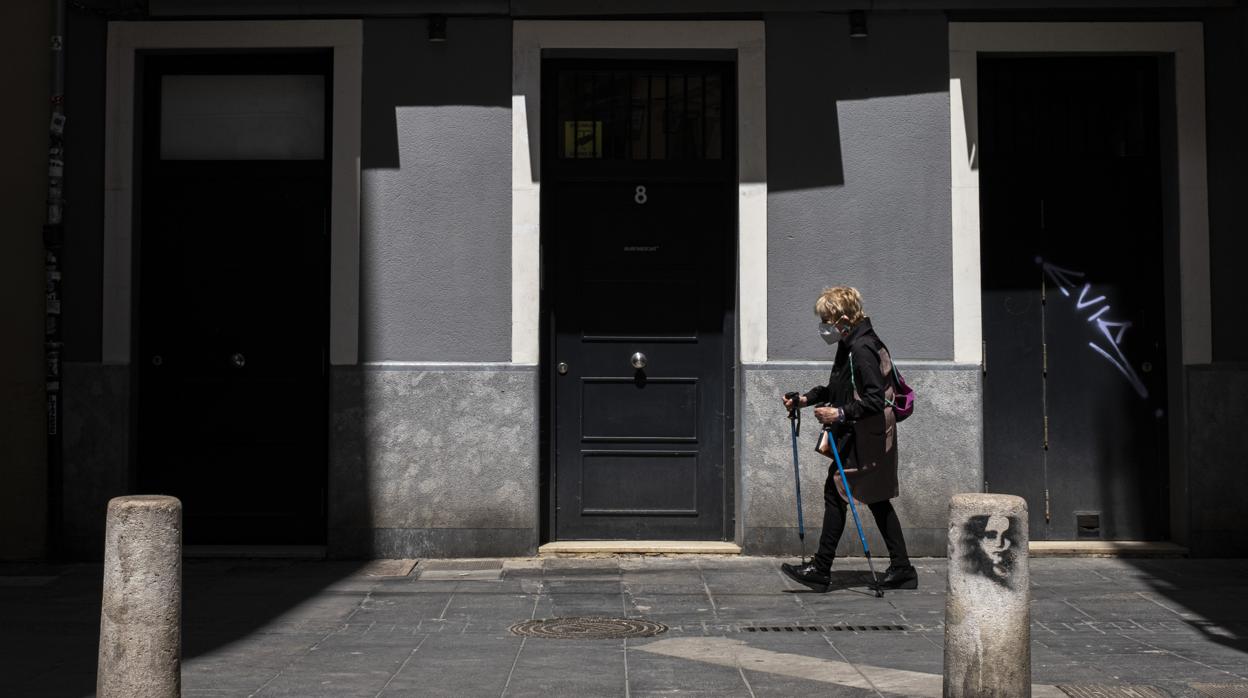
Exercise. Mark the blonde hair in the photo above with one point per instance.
(837, 301)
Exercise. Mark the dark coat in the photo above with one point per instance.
(868, 438)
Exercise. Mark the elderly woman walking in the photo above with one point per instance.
(857, 405)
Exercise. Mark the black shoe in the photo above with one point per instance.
(900, 577)
(809, 575)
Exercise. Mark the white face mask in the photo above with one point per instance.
(829, 332)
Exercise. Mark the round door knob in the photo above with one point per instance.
(638, 360)
(157, 360)
(237, 360)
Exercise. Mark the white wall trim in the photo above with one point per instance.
(748, 39)
(1185, 40)
(345, 37)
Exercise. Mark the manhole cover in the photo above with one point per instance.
(588, 628)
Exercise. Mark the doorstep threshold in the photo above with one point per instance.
(639, 547)
(1105, 548)
(260, 552)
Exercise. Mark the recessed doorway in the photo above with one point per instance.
(639, 210)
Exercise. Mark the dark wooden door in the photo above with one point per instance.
(639, 228)
(1074, 309)
(232, 301)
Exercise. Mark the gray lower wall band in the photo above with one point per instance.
(396, 428)
(420, 454)
(1216, 444)
(940, 448)
(96, 452)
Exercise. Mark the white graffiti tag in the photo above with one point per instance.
(1109, 330)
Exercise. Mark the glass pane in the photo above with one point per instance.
(242, 117)
(639, 115)
(658, 117)
(676, 117)
(714, 117)
(585, 127)
(694, 113)
(639, 128)
(619, 129)
(567, 96)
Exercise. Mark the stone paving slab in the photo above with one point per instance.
(460, 570)
(301, 628)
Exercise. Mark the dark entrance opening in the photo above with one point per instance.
(1075, 400)
(232, 292)
(638, 239)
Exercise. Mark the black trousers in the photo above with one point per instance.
(834, 511)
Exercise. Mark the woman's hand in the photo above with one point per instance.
(828, 415)
(788, 404)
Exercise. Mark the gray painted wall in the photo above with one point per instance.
(97, 453)
(858, 179)
(858, 141)
(435, 270)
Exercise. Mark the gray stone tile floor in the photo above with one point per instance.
(306, 628)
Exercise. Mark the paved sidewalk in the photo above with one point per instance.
(736, 628)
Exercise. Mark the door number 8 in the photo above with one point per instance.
(639, 195)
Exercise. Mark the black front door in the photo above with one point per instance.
(233, 295)
(1075, 405)
(639, 215)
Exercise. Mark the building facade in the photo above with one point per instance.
(409, 279)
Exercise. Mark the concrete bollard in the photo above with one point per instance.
(987, 617)
(141, 617)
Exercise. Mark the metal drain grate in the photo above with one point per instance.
(1112, 691)
(1222, 690)
(823, 628)
(577, 628)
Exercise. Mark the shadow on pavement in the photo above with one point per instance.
(848, 580)
(1205, 594)
(51, 614)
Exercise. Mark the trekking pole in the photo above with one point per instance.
(795, 428)
(836, 454)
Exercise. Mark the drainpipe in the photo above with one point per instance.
(53, 243)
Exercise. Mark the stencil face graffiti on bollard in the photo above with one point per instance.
(991, 544)
(987, 613)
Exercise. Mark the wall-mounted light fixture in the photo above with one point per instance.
(437, 28)
(857, 24)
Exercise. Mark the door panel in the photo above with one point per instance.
(640, 452)
(638, 220)
(616, 409)
(641, 483)
(232, 301)
(1074, 325)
